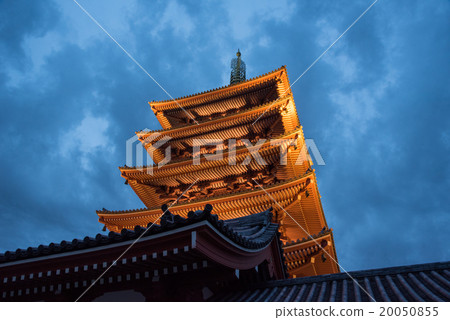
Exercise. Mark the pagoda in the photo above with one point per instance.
(241, 149)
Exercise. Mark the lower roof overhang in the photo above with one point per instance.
(157, 257)
(312, 256)
(233, 205)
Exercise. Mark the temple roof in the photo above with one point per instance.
(238, 114)
(197, 247)
(306, 212)
(214, 172)
(182, 162)
(249, 232)
(222, 101)
(282, 184)
(218, 90)
(424, 282)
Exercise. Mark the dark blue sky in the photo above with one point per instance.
(376, 105)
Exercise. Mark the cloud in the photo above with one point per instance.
(355, 105)
(245, 18)
(381, 141)
(89, 137)
(22, 20)
(338, 57)
(175, 18)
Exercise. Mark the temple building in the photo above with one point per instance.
(232, 213)
(211, 135)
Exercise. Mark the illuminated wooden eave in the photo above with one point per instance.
(211, 200)
(338, 269)
(202, 124)
(295, 252)
(303, 248)
(236, 204)
(210, 162)
(307, 242)
(186, 101)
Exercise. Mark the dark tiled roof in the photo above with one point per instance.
(251, 232)
(426, 282)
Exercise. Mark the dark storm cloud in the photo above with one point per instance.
(376, 105)
(21, 19)
(385, 186)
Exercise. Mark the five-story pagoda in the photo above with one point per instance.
(240, 148)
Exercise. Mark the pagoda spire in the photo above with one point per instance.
(237, 69)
